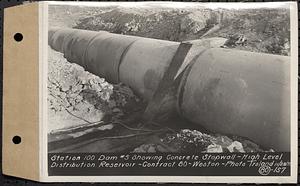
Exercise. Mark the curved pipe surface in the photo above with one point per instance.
(239, 92)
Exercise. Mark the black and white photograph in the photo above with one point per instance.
(163, 78)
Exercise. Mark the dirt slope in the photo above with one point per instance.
(264, 30)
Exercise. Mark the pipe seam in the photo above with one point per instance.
(185, 74)
(122, 57)
(85, 51)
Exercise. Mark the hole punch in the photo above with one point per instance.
(16, 139)
(18, 37)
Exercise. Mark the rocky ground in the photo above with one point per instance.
(84, 107)
(263, 30)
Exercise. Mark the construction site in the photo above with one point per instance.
(168, 80)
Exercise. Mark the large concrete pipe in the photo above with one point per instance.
(227, 91)
(105, 53)
(238, 92)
